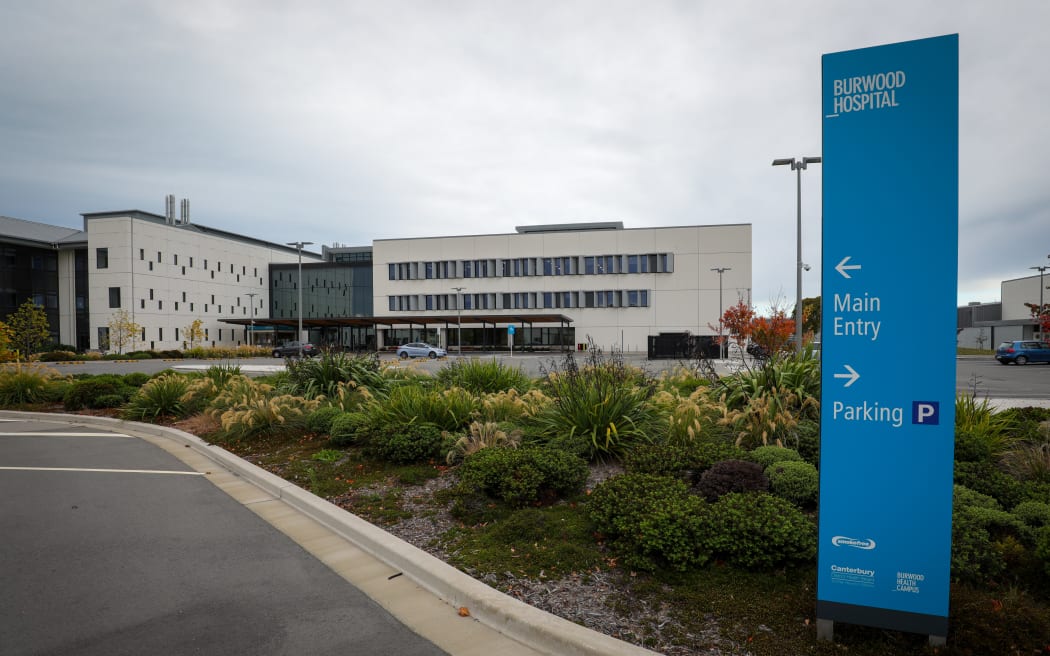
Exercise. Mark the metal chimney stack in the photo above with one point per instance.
(185, 211)
(169, 209)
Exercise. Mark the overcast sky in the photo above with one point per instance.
(347, 121)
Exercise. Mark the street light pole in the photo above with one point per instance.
(1040, 269)
(459, 317)
(721, 339)
(251, 300)
(299, 248)
(798, 165)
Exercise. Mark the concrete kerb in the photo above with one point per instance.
(526, 624)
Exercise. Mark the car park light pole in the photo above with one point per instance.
(798, 165)
(251, 300)
(459, 318)
(1040, 269)
(299, 248)
(721, 339)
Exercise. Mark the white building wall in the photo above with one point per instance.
(1017, 292)
(686, 299)
(171, 275)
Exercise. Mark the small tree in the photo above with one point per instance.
(738, 321)
(1042, 315)
(30, 327)
(6, 343)
(194, 333)
(773, 332)
(123, 331)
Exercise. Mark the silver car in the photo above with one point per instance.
(420, 350)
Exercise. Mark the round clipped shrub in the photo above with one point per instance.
(771, 453)
(87, 392)
(57, 356)
(108, 401)
(1033, 513)
(987, 478)
(320, 420)
(136, 379)
(347, 429)
(732, 476)
(520, 477)
(761, 531)
(407, 444)
(984, 537)
(794, 480)
(652, 521)
(689, 460)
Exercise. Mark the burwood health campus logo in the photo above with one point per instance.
(842, 541)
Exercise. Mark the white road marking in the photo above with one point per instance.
(105, 471)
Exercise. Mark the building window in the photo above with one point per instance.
(174, 259)
(114, 297)
(160, 259)
(142, 253)
(142, 304)
(151, 294)
(101, 258)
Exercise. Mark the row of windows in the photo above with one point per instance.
(103, 335)
(590, 265)
(102, 262)
(114, 302)
(606, 298)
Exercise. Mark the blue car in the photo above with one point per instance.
(420, 350)
(1022, 352)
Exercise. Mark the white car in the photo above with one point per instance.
(420, 350)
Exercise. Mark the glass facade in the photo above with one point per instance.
(29, 273)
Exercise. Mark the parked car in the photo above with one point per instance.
(1022, 352)
(420, 350)
(291, 350)
(758, 351)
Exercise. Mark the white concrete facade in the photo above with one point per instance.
(169, 274)
(660, 279)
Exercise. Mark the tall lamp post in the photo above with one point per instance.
(299, 248)
(798, 165)
(251, 300)
(459, 318)
(721, 339)
(1041, 270)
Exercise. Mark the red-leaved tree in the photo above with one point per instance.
(774, 331)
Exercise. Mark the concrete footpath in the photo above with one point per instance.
(459, 614)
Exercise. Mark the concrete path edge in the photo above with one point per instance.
(526, 624)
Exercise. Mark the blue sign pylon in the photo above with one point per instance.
(889, 287)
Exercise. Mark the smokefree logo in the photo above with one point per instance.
(842, 541)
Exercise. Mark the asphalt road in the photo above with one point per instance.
(993, 380)
(158, 561)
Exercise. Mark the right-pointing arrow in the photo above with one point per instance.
(852, 375)
(841, 267)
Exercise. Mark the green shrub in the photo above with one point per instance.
(108, 401)
(450, 409)
(807, 440)
(408, 444)
(483, 376)
(320, 420)
(603, 406)
(770, 454)
(160, 397)
(732, 476)
(171, 355)
(794, 480)
(86, 392)
(1035, 514)
(986, 478)
(57, 356)
(520, 477)
(652, 521)
(325, 374)
(348, 428)
(136, 379)
(794, 381)
(680, 460)
(1042, 548)
(984, 537)
(981, 434)
(26, 383)
(760, 531)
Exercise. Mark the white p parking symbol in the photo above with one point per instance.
(926, 413)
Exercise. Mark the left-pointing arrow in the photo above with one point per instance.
(852, 375)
